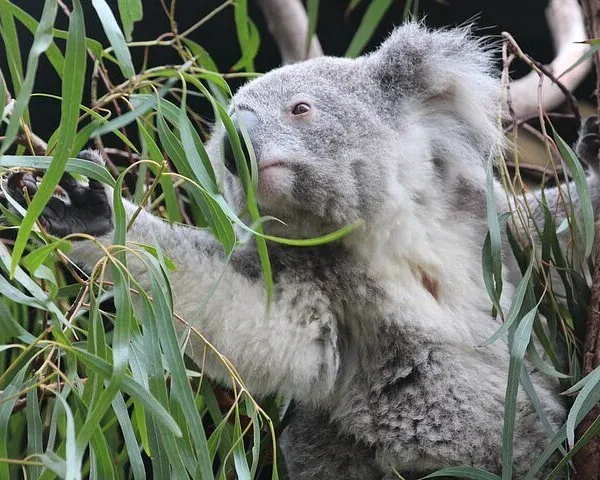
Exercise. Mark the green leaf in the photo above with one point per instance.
(40, 298)
(492, 247)
(10, 292)
(72, 90)
(12, 49)
(248, 37)
(247, 184)
(101, 461)
(463, 472)
(73, 465)
(200, 164)
(35, 259)
(541, 365)
(242, 469)
(588, 435)
(133, 450)
(131, 11)
(53, 52)
(53, 463)
(312, 10)
(41, 41)
(367, 26)
(9, 398)
(538, 407)
(589, 394)
(176, 154)
(580, 179)
(521, 338)
(181, 387)
(8, 324)
(2, 97)
(487, 265)
(166, 456)
(168, 190)
(34, 431)
(253, 414)
(115, 36)
(516, 305)
(130, 387)
(217, 84)
(86, 168)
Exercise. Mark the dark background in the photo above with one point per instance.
(523, 19)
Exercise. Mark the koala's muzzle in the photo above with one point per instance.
(248, 120)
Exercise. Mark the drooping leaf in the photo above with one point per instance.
(367, 27)
(580, 179)
(131, 11)
(41, 41)
(115, 36)
(72, 90)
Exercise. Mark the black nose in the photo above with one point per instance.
(248, 119)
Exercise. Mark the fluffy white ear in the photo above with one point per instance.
(447, 70)
(415, 59)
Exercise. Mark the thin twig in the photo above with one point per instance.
(541, 70)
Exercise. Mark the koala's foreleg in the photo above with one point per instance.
(292, 347)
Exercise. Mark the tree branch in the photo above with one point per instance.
(566, 23)
(288, 23)
(587, 461)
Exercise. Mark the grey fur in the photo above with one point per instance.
(376, 336)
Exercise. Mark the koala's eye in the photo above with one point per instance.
(300, 108)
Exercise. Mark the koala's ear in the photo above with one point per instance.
(440, 74)
(417, 61)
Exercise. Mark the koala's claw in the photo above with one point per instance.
(21, 181)
(588, 144)
(78, 208)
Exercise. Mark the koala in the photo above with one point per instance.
(378, 336)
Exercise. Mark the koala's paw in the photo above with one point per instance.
(588, 143)
(78, 208)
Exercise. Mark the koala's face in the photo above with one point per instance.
(338, 139)
(314, 136)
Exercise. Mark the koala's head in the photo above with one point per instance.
(339, 139)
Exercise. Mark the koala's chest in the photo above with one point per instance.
(430, 301)
(365, 293)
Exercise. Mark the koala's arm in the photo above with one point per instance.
(292, 349)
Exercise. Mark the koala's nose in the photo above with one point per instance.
(249, 120)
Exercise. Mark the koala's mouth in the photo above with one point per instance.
(278, 163)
